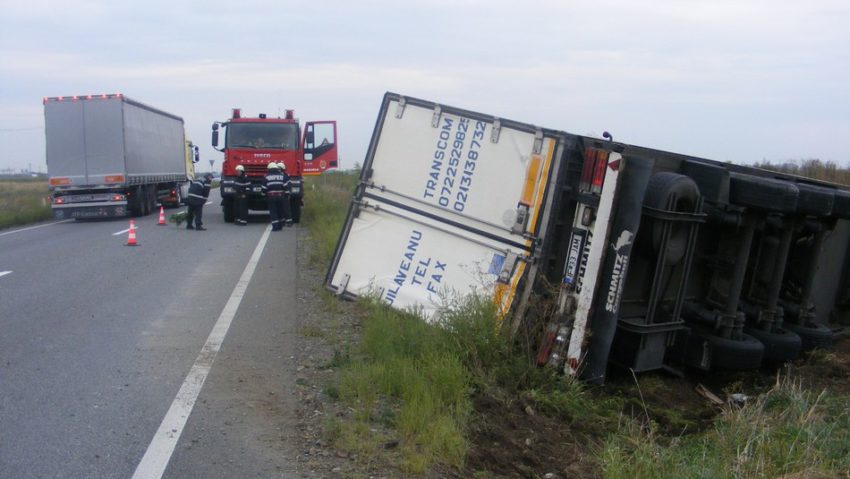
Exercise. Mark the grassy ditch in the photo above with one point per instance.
(23, 202)
(788, 431)
(326, 203)
(459, 399)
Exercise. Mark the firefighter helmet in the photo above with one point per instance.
(272, 166)
(240, 168)
(281, 166)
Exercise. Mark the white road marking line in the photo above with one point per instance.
(162, 446)
(35, 227)
(122, 231)
(4, 273)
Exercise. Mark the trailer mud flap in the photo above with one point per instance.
(628, 202)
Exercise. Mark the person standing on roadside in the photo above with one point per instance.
(277, 195)
(241, 184)
(199, 191)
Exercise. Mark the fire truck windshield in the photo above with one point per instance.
(262, 135)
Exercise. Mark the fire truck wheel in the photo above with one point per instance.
(780, 345)
(814, 200)
(814, 335)
(227, 209)
(676, 193)
(762, 193)
(295, 208)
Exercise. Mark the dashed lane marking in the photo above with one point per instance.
(35, 227)
(122, 231)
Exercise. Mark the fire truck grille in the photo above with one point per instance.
(256, 170)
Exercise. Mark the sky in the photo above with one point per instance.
(739, 80)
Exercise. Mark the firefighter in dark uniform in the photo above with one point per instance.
(241, 185)
(199, 191)
(277, 195)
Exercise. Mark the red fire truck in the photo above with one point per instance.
(254, 142)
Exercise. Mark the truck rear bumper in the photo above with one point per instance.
(91, 210)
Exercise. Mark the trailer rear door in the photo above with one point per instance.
(457, 194)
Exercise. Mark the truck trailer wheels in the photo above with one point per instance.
(780, 344)
(813, 335)
(710, 352)
(762, 193)
(674, 193)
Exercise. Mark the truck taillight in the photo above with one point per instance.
(58, 201)
(593, 170)
(587, 170)
(117, 198)
(599, 171)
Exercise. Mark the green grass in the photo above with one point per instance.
(404, 376)
(23, 202)
(326, 200)
(785, 432)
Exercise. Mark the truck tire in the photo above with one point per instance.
(743, 354)
(295, 208)
(780, 345)
(762, 193)
(814, 200)
(228, 210)
(137, 202)
(841, 207)
(149, 199)
(676, 193)
(813, 335)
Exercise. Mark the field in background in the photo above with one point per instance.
(23, 202)
(817, 169)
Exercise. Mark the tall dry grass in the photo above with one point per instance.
(23, 202)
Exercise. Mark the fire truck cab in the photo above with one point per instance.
(254, 142)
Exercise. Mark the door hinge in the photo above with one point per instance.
(343, 285)
(399, 111)
(497, 128)
(538, 142)
(521, 219)
(508, 267)
(435, 119)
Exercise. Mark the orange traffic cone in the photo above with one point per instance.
(131, 236)
(161, 215)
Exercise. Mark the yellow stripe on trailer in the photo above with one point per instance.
(540, 190)
(533, 192)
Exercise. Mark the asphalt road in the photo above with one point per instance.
(97, 338)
